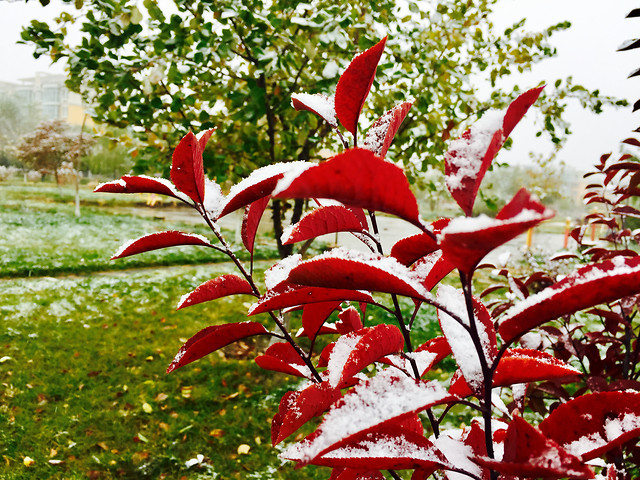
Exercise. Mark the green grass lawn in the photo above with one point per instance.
(83, 388)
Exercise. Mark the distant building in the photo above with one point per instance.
(48, 97)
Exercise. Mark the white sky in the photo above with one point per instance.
(587, 51)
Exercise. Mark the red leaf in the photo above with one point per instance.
(341, 268)
(466, 241)
(528, 453)
(311, 402)
(258, 185)
(187, 171)
(367, 172)
(462, 346)
(588, 287)
(219, 287)
(213, 338)
(140, 184)
(352, 474)
(251, 221)
(437, 345)
(315, 314)
(593, 424)
(155, 241)
(282, 357)
(387, 397)
(386, 448)
(317, 103)
(382, 131)
(409, 249)
(470, 156)
(354, 85)
(356, 350)
(290, 295)
(349, 321)
(432, 268)
(521, 365)
(323, 220)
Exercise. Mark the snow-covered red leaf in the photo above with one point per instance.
(382, 131)
(387, 397)
(141, 184)
(213, 338)
(282, 357)
(464, 350)
(470, 156)
(251, 221)
(432, 268)
(354, 178)
(342, 268)
(423, 362)
(291, 295)
(317, 103)
(386, 448)
(437, 345)
(354, 85)
(409, 249)
(356, 350)
(349, 320)
(302, 406)
(219, 287)
(466, 241)
(589, 286)
(155, 241)
(259, 184)
(355, 474)
(323, 220)
(528, 453)
(590, 425)
(187, 171)
(521, 365)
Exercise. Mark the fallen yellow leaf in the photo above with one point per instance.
(28, 461)
(243, 449)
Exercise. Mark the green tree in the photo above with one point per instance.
(193, 65)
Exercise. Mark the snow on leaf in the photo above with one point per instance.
(423, 360)
(528, 453)
(432, 268)
(387, 448)
(318, 103)
(349, 320)
(213, 338)
(437, 345)
(155, 241)
(387, 397)
(354, 85)
(409, 249)
(587, 287)
(382, 131)
(282, 357)
(213, 198)
(343, 268)
(323, 220)
(251, 220)
(470, 156)
(466, 241)
(521, 365)
(354, 351)
(590, 425)
(219, 287)
(187, 171)
(303, 405)
(142, 184)
(459, 338)
(290, 295)
(260, 183)
(353, 178)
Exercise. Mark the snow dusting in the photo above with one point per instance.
(339, 356)
(613, 429)
(280, 271)
(318, 103)
(383, 398)
(214, 200)
(466, 153)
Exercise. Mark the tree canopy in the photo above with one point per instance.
(165, 69)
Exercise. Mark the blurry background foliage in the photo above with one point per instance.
(164, 68)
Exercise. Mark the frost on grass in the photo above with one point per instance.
(384, 397)
(466, 153)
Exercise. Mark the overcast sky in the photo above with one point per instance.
(587, 51)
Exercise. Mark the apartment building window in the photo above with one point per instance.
(51, 95)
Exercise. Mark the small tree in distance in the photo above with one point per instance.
(380, 408)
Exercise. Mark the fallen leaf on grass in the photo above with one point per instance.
(28, 461)
(146, 408)
(243, 449)
(216, 432)
(161, 397)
